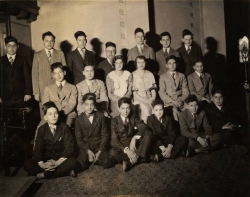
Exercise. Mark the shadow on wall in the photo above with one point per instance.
(66, 47)
(27, 52)
(97, 48)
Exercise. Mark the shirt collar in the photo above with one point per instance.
(139, 46)
(109, 61)
(219, 107)
(168, 49)
(53, 126)
(172, 72)
(199, 74)
(58, 83)
(47, 51)
(186, 47)
(13, 56)
(80, 50)
(89, 81)
(123, 118)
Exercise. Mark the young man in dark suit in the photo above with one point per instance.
(53, 153)
(15, 77)
(92, 135)
(106, 66)
(195, 126)
(77, 59)
(130, 137)
(166, 143)
(165, 52)
(188, 51)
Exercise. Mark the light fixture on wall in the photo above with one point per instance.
(244, 55)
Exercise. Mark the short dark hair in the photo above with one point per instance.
(48, 33)
(186, 32)
(171, 57)
(80, 33)
(89, 96)
(217, 91)
(110, 44)
(48, 105)
(165, 34)
(89, 65)
(138, 29)
(195, 61)
(10, 39)
(117, 57)
(142, 57)
(191, 98)
(56, 65)
(157, 102)
(124, 100)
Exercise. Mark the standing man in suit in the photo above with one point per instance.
(140, 48)
(106, 66)
(15, 77)
(77, 59)
(189, 51)
(165, 52)
(92, 136)
(41, 75)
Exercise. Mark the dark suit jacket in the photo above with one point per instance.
(76, 63)
(93, 136)
(187, 124)
(16, 78)
(195, 52)
(218, 118)
(120, 137)
(103, 69)
(49, 147)
(163, 133)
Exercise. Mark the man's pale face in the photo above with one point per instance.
(11, 48)
(218, 99)
(198, 67)
(89, 72)
(187, 40)
(158, 111)
(165, 41)
(192, 107)
(124, 110)
(110, 52)
(81, 42)
(58, 74)
(89, 106)
(51, 116)
(171, 65)
(48, 42)
(118, 65)
(140, 64)
(139, 37)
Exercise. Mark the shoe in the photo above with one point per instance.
(241, 150)
(73, 173)
(189, 152)
(126, 165)
(154, 158)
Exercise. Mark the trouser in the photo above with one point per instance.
(237, 136)
(31, 166)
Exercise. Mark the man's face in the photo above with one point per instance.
(81, 42)
(158, 111)
(171, 65)
(187, 40)
(110, 52)
(58, 74)
(192, 106)
(139, 37)
(89, 106)
(198, 67)
(124, 110)
(218, 99)
(89, 72)
(48, 42)
(165, 41)
(11, 48)
(51, 116)
(140, 64)
(118, 65)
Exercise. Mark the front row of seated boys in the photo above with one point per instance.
(132, 141)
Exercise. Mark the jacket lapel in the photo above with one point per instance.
(58, 133)
(78, 57)
(64, 91)
(121, 126)
(94, 123)
(15, 63)
(54, 90)
(157, 124)
(54, 56)
(198, 81)
(45, 57)
(94, 86)
(177, 79)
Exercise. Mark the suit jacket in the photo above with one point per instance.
(187, 124)
(148, 52)
(177, 90)
(76, 63)
(188, 58)
(120, 137)
(162, 61)
(49, 147)
(41, 72)
(219, 118)
(103, 69)
(68, 97)
(15, 79)
(93, 136)
(197, 88)
(98, 88)
(164, 133)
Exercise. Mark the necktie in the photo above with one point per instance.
(53, 130)
(188, 50)
(202, 80)
(141, 50)
(82, 53)
(11, 60)
(49, 54)
(126, 124)
(173, 76)
(222, 109)
(194, 117)
(59, 89)
(166, 53)
(90, 85)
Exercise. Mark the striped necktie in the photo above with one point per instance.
(82, 53)
(11, 60)
(188, 49)
(49, 54)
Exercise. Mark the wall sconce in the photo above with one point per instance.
(244, 54)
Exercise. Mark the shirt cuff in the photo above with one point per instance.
(40, 162)
(137, 137)
(125, 149)
(63, 158)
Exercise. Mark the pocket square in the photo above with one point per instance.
(60, 139)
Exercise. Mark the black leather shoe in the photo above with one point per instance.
(126, 166)
(154, 158)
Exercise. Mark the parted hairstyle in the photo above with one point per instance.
(165, 34)
(80, 33)
(195, 61)
(48, 33)
(142, 57)
(138, 29)
(217, 91)
(124, 100)
(171, 57)
(157, 102)
(48, 105)
(56, 65)
(10, 39)
(117, 57)
(89, 96)
(186, 32)
(191, 98)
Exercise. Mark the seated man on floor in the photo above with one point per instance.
(225, 122)
(195, 126)
(92, 85)
(53, 153)
(92, 135)
(166, 143)
(130, 137)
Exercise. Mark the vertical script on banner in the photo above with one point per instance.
(123, 22)
(191, 15)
